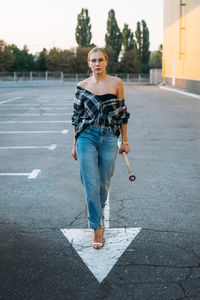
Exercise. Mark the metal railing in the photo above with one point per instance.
(64, 77)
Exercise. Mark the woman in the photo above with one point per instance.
(99, 116)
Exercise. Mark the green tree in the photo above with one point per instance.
(142, 39)
(81, 64)
(42, 60)
(138, 35)
(83, 29)
(113, 66)
(53, 60)
(155, 61)
(128, 42)
(6, 57)
(130, 62)
(68, 61)
(23, 61)
(113, 37)
(145, 48)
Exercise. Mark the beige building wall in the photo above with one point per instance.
(181, 45)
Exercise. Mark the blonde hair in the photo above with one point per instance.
(97, 49)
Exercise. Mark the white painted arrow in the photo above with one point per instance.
(100, 262)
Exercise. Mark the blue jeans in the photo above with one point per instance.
(96, 149)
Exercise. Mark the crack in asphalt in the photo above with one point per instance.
(76, 218)
(156, 266)
(180, 282)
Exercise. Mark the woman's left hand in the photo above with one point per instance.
(124, 148)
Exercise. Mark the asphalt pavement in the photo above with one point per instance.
(41, 193)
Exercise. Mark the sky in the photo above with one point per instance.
(52, 23)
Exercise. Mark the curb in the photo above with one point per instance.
(180, 92)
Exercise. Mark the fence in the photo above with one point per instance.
(60, 76)
(155, 76)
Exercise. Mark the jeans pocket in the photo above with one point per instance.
(113, 134)
(87, 130)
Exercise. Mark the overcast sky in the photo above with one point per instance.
(47, 23)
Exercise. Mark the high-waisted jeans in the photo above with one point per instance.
(96, 149)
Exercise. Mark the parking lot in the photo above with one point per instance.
(153, 224)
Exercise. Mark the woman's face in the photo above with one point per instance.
(97, 62)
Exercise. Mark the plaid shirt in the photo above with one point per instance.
(88, 105)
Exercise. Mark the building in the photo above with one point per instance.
(181, 44)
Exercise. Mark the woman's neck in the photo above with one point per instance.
(99, 77)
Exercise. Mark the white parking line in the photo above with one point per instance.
(33, 108)
(33, 104)
(52, 147)
(9, 100)
(25, 122)
(44, 108)
(34, 115)
(34, 174)
(31, 175)
(42, 131)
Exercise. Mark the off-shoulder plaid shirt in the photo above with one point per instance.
(87, 107)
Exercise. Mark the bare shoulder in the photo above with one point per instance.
(116, 80)
(84, 83)
(118, 84)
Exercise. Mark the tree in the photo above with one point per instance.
(6, 57)
(53, 61)
(68, 59)
(127, 38)
(138, 35)
(42, 60)
(113, 37)
(130, 62)
(113, 66)
(145, 48)
(23, 61)
(155, 61)
(142, 38)
(81, 64)
(83, 29)
(60, 60)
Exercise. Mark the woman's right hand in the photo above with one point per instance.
(74, 152)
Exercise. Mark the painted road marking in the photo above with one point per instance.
(36, 115)
(9, 100)
(34, 174)
(180, 92)
(34, 108)
(26, 122)
(100, 262)
(42, 131)
(31, 175)
(32, 104)
(52, 147)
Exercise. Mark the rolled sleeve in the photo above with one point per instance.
(125, 117)
(78, 109)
